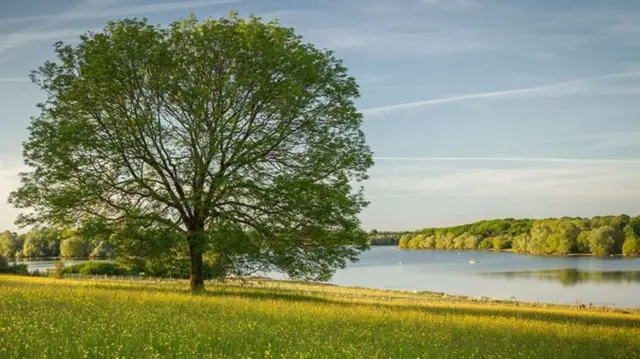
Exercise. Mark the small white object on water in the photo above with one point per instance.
(399, 262)
(473, 261)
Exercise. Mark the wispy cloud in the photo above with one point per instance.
(87, 13)
(613, 180)
(89, 9)
(22, 38)
(535, 90)
(514, 159)
(43, 30)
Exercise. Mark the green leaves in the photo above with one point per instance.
(221, 125)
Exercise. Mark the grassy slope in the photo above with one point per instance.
(42, 317)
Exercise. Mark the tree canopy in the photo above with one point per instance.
(232, 136)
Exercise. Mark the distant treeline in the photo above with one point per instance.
(50, 242)
(556, 236)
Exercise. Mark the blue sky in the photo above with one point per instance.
(474, 108)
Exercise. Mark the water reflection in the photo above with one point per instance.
(571, 276)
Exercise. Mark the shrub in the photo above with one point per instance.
(4, 265)
(21, 269)
(96, 268)
(161, 267)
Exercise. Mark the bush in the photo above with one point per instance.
(168, 268)
(21, 269)
(95, 268)
(4, 265)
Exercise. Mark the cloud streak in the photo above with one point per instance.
(536, 90)
(515, 159)
(42, 30)
(89, 9)
(537, 180)
(122, 11)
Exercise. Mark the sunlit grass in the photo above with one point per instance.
(49, 318)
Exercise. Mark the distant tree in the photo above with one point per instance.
(230, 135)
(414, 243)
(540, 233)
(445, 241)
(560, 244)
(486, 243)
(521, 243)
(631, 246)
(42, 242)
(404, 241)
(73, 246)
(374, 232)
(458, 242)
(634, 223)
(10, 244)
(582, 242)
(429, 242)
(501, 242)
(601, 240)
(555, 236)
(471, 241)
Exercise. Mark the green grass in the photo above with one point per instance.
(53, 318)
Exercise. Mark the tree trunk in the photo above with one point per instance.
(196, 276)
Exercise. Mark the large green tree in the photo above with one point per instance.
(233, 135)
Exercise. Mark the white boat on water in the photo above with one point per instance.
(473, 261)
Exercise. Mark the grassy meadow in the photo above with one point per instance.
(64, 318)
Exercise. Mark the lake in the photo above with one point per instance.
(499, 275)
(610, 281)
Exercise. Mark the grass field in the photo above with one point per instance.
(54, 318)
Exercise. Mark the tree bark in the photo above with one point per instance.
(196, 275)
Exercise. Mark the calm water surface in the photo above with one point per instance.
(44, 265)
(610, 281)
